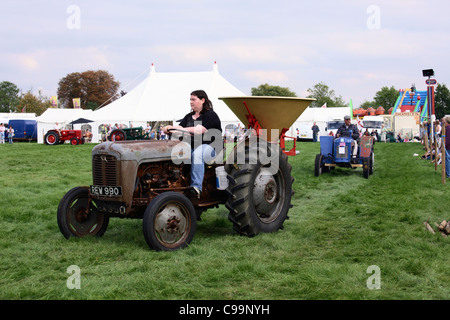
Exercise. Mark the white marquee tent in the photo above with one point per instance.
(159, 97)
(164, 96)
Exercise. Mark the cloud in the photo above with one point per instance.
(26, 62)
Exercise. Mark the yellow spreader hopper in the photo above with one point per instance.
(268, 113)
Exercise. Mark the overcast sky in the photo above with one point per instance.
(355, 47)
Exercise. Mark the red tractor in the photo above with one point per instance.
(53, 137)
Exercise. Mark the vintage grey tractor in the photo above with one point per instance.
(150, 180)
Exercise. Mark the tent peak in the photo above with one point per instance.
(215, 69)
(152, 69)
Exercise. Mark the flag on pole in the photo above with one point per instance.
(76, 103)
(359, 123)
(54, 101)
(351, 108)
(24, 109)
(325, 105)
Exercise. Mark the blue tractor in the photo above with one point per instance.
(338, 153)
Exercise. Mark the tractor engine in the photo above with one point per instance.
(155, 177)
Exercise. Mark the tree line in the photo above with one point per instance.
(385, 97)
(99, 88)
(94, 88)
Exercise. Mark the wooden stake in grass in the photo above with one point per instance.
(425, 138)
(428, 227)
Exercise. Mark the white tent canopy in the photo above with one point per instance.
(165, 97)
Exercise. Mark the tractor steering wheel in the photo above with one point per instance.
(180, 130)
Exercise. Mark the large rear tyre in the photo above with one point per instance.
(74, 217)
(51, 138)
(366, 168)
(372, 162)
(259, 199)
(117, 135)
(169, 222)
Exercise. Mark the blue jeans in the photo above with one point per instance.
(199, 156)
(447, 163)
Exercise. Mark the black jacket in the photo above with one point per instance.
(344, 131)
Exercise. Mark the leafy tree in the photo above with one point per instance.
(94, 88)
(322, 93)
(367, 104)
(269, 90)
(9, 96)
(34, 104)
(441, 101)
(386, 97)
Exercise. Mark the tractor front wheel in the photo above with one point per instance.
(318, 166)
(169, 222)
(77, 217)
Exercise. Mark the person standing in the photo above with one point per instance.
(447, 146)
(315, 129)
(2, 133)
(10, 134)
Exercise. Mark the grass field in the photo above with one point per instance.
(341, 225)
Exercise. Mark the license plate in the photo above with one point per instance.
(106, 191)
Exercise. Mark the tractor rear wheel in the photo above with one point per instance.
(366, 167)
(258, 198)
(74, 217)
(169, 222)
(117, 135)
(372, 162)
(51, 138)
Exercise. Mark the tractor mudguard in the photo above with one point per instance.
(366, 146)
(326, 145)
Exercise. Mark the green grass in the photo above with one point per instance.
(340, 225)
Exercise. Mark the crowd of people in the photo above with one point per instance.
(6, 133)
(153, 134)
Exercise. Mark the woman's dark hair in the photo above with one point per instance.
(207, 105)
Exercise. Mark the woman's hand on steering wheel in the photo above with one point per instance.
(183, 131)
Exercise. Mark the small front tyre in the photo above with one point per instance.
(169, 222)
(74, 217)
(318, 166)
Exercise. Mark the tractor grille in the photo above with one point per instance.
(105, 170)
(342, 156)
